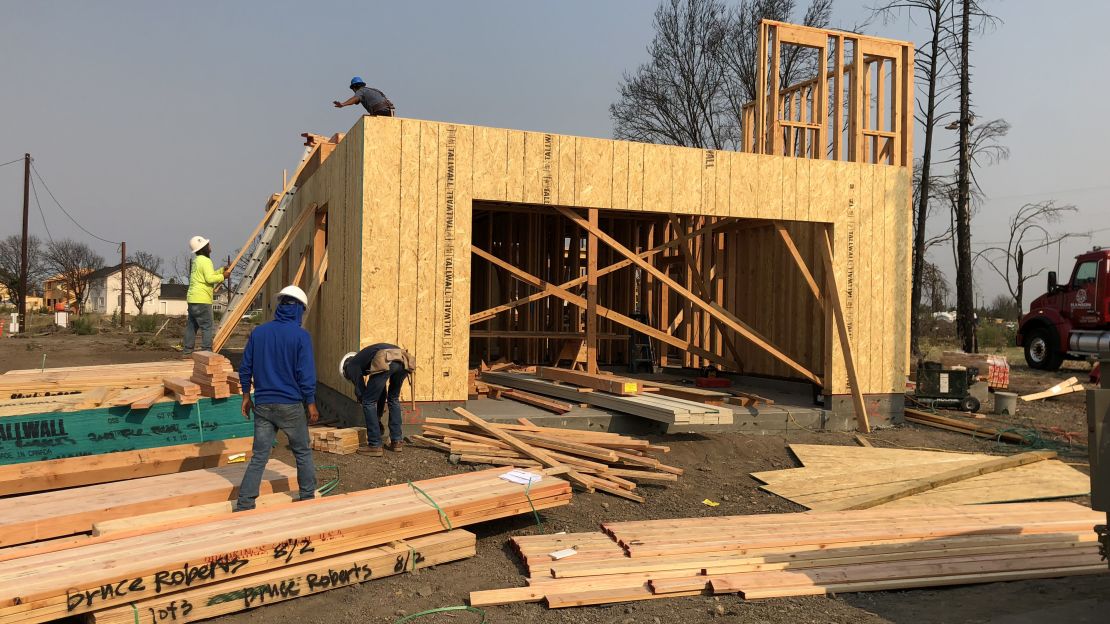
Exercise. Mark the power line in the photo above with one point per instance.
(83, 229)
(10, 162)
(1053, 192)
(35, 192)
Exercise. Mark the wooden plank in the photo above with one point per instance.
(621, 386)
(833, 290)
(1067, 386)
(799, 262)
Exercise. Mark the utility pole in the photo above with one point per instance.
(123, 285)
(965, 301)
(23, 256)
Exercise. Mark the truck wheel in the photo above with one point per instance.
(970, 404)
(1042, 350)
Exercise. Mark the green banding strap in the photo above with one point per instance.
(412, 556)
(409, 618)
(535, 513)
(134, 611)
(442, 515)
(330, 486)
(200, 423)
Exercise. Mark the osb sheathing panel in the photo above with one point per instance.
(413, 231)
(334, 322)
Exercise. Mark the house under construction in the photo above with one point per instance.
(789, 259)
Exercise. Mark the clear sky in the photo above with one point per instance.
(152, 122)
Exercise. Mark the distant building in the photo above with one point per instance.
(104, 288)
(171, 300)
(55, 292)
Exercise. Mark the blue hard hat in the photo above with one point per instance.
(357, 80)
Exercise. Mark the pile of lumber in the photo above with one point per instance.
(851, 477)
(1067, 386)
(214, 374)
(338, 441)
(600, 460)
(48, 515)
(53, 474)
(777, 555)
(245, 559)
(629, 397)
(993, 368)
(961, 425)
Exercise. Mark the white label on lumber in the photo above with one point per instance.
(523, 477)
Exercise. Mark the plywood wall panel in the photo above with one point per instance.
(514, 174)
(381, 199)
(593, 173)
(686, 180)
(490, 163)
(568, 147)
(408, 239)
(431, 189)
(621, 174)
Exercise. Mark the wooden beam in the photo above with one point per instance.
(591, 295)
(606, 383)
(788, 240)
(833, 290)
(715, 310)
(317, 282)
(260, 280)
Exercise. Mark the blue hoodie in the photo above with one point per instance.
(279, 359)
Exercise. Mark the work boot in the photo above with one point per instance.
(372, 451)
(397, 446)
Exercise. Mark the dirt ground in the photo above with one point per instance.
(717, 467)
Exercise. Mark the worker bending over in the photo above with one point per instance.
(278, 360)
(202, 282)
(373, 100)
(383, 362)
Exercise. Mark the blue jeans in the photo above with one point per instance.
(290, 418)
(200, 318)
(374, 400)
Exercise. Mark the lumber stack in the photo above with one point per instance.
(211, 372)
(993, 368)
(53, 474)
(776, 555)
(239, 551)
(48, 515)
(648, 405)
(1067, 386)
(605, 461)
(338, 441)
(184, 391)
(852, 477)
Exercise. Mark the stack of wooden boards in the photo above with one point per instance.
(138, 385)
(610, 392)
(52, 474)
(338, 441)
(73, 511)
(775, 555)
(606, 461)
(1067, 386)
(853, 477)
(235, 561)
(993, 368)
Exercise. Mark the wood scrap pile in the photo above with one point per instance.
(997, 431)
(338, 441)
(832, 478)
(600, 460)
(611, 392)
(232, 562)
(993, 368)
(777, 555)
(1067, 386)
(214, 374)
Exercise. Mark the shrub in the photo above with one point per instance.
(84, 326)
(995, 336)
(145, 323)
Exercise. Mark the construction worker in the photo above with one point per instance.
(383, 362)
(278, 364)
(202, 281)
(373, 100)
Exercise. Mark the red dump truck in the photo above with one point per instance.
(1072, 320)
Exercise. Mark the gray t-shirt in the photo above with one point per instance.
(372, 99)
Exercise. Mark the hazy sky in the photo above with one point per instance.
(152, 122)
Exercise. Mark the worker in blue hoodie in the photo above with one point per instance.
(278, 364)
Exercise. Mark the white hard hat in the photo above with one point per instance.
(343, 362)
(294, 292)
(197, 243)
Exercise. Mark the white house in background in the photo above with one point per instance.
(104, 288)
(171, 300)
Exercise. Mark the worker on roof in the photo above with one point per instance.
(373, 100)
(383, 362)
(277, 362)
(202, 281)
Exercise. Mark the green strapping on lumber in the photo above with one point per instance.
(34, 437)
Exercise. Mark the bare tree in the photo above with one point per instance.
(143, 277)
(73, 261)
(11, 251)
(1027, 234)
(181, 266)
(702, 71)
(935, 288)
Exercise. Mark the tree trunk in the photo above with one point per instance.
(1020, 264)
(965, 296)
(924, 189)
